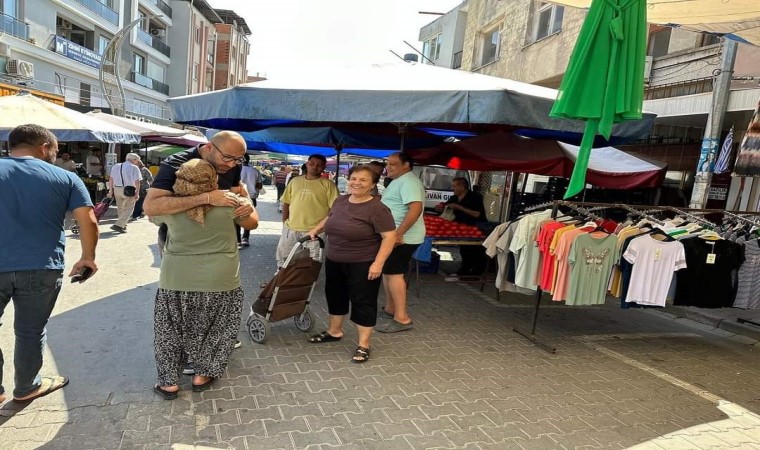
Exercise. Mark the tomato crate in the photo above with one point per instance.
(432, 266)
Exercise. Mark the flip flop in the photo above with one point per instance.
(204, 386)
(167, 395)
(394, 327)
(323, 337)
(47, 386)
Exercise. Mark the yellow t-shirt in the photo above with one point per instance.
(309, 200)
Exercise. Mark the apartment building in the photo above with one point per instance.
(55, 46)
(532, 41)
(232, 49)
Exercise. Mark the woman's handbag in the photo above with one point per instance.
(129, 191)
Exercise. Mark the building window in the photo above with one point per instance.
(547, 20)
(138, 64)
(102, 44)
(432, 48)
(9, 8)
(197, 35)
(659, 43)
(85, 94)
(489, 46)
(196, 69)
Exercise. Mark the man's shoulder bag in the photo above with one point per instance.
(129, 191)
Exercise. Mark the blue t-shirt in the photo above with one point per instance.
(404, 190)
(34, 198)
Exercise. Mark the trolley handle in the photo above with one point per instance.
(306, 239)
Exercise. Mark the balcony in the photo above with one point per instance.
(154, 42)
(166, 9)
(14, 27)
(457, 61)
(149, 83)
(101, 10)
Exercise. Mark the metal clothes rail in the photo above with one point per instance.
(530, 333)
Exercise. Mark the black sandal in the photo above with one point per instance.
(323, 337)
(167, 395)
(361, 355)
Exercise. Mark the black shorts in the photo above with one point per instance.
(398, 261)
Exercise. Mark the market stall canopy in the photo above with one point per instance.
(737, 19)
(165, 150)
(65, 123)
(608, 167)
(186, 140)
(394, 94)
(350, 139)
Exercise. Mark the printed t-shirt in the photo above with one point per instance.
(544, 239)
(34, 198)
(563, 268)
(404, 190)
(591, 260)
(471, 200)
(708, 284)
(522, 245)
(200, 258)
(309, 200)
(653, 265)
(167, 172)
(353, 229)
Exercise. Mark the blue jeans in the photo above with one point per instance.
(34, 293)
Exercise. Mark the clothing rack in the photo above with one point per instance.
(581, 208)
(744, 219)
(531, 335)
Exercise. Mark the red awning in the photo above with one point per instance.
(608, 168)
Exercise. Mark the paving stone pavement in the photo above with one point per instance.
(462, 379)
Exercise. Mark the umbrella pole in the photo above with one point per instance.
(338, 149)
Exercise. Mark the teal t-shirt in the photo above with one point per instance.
(200, 258)
(403, 190)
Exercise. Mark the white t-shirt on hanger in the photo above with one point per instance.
(654, 263)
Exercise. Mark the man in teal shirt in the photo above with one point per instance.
(404, 197)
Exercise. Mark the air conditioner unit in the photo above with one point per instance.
(648, 69)
(5, 50)
(158, 32)
(19, 68)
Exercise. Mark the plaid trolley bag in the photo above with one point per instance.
(288, 293)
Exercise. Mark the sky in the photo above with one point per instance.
(291, 35)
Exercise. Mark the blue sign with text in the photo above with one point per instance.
(76, 52)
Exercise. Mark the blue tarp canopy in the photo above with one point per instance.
(393, 95)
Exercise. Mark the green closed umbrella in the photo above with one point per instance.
(604, 80)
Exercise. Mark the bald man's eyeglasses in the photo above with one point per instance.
(228, 158)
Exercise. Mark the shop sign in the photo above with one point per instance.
(9, 89)
(76, 52)
(717, 193)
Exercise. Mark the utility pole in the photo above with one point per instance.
(711, 139)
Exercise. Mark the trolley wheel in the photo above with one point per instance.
(258, 329)
(305, 321)
(75, 229)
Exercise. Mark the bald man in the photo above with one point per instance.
(225, 152)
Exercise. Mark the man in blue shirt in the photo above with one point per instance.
(34, 199)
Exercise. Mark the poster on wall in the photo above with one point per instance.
(748, 161)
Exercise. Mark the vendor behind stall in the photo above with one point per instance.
(468, 208)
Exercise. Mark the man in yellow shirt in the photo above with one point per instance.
(306, 201)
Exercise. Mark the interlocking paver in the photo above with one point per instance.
(406, 427)
(275, 427)
(227, 432)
